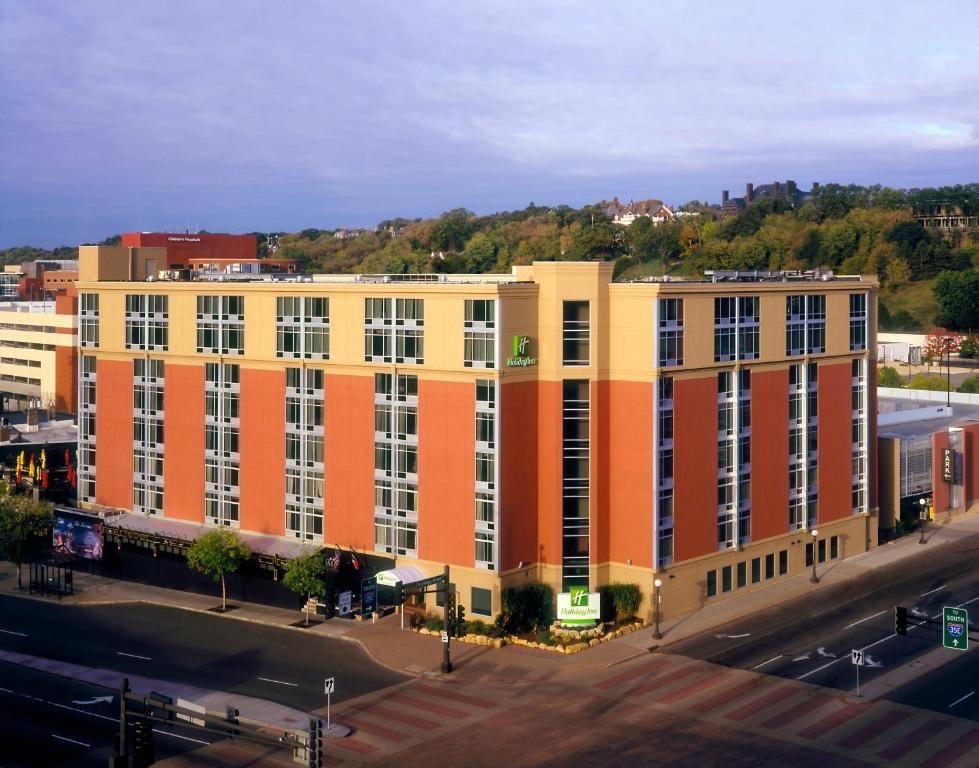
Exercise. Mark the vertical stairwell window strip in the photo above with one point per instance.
(304, 453)
(88, 310)
(86, 428)
(575, 333)
(479, 334)
(664, 471)
(302, 327)
(726, 469)
(858, 321)
(669, 340)
(743, 416)
(222, 458)
(487, 471)
(859, 439)
(147, 321)
(576, 482)
(396, 464)
(221, 325)
(148, 436)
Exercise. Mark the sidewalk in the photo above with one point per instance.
(421, 655)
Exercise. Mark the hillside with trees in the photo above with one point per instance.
(849, 229)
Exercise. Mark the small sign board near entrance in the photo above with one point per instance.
(368, 596)
(579, 606)
(346, 602)
(955, 628)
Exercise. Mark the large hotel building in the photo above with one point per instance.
(546, 425)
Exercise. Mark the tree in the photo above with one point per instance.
(479, 254)
(23, 525)
(889, 377)
(958, 299)
(940, 343)
(931, 382)
(969, 348)
(304, 574)
(217, 553)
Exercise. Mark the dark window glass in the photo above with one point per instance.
(711, 583)
(742, 574)
(770, 566)
(783, 562)
(726, 578)
(755, 570)
(482, 601)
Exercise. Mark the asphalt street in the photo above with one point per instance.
(52, 721)
(213, 652)
(811, 638)
(953, 689)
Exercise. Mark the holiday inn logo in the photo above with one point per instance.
(579, 606)
(579, 597)
(521, 352)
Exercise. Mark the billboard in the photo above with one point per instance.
(81, 536)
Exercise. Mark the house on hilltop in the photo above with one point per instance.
(789, 191)
(624, 215)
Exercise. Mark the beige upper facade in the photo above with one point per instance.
(30, 335)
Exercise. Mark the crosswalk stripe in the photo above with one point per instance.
(909, 741)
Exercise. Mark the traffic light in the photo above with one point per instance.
(900, 620)
(460, 619)
(231, 715)
(314, 744)
(144, 754)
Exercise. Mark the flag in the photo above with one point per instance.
(354, 560)
(335, 560)
(44, 459)
(67, 457)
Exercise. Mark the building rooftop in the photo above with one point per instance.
(899, 417)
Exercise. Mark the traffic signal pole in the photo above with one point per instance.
(446, 608)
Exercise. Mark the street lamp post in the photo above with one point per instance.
(657, 583)
(815, 538)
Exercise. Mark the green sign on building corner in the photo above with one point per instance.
(521, 352)
(955, 628)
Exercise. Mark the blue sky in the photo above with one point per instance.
(264, 115)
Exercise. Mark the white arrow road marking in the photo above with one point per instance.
(932, 591)
(133, 656)
(8, 632)
(959, 701)
(96, 700)
(732, 637)
(821, 650)
(917, 612)
(280, 682)
(804, 657)
(72, 741)
(872, 662)
(776, 658)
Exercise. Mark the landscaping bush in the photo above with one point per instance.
(527, 608)
(971, 384)
(433, 623)
(889, 377)
(620, 602)
(476, 627)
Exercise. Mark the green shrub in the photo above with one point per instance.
(433, 623)
(476, 627)
(931, 382)
(889, 377)
(527, 608)
(544, 636)
(620, 602)
(971, 384)
(969, 347)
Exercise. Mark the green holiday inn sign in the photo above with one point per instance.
(579, 606)
(521, 353)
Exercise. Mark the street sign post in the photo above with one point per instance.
(955, 628)
(857, 660)
(328, 686)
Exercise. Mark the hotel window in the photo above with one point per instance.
(743, 457)
(221, 442)
(86, 428)
(858, 321)
(147, 435)
(304, 453)
(795, 325)
(147, 321)
(89, 319)
(726, 469)
(815, 324)
(409, 333)
(221, 325)
(664, 468)
(670, 332)
(479, 335)
(486, 470)
(396, 464)
(377, 330)
(302, 327)
(575, 483)
(748, 319)
(725, 329)
(803, 445)
(575, 333)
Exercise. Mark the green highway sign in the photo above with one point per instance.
(955, 628)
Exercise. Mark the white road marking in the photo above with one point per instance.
(133, 656)
(82, 711)
(178, 736)
(6, 690)
(932, 591)
(733, 637)
(868, 618)
(72, 741)
(9, 632)
(280, 682)
(821, 650)
(803, 657)
(872, 662)
(959, 701)
(776, 658)
(95, 700)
